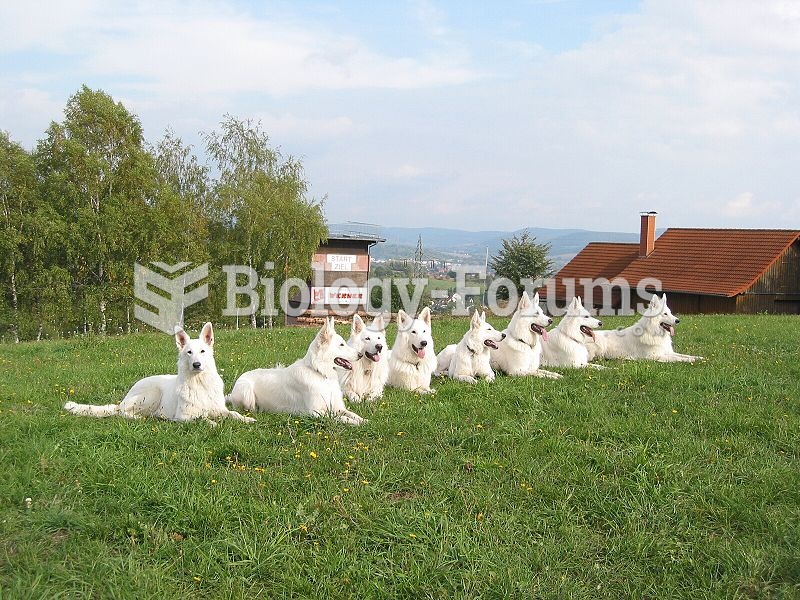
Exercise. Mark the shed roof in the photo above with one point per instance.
(718, 262)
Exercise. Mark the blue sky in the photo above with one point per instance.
(470, 115)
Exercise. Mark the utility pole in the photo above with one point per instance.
(418, 264)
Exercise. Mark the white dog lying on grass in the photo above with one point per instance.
(649, 339)
(370, 370)
(520, 353)
(309, 386)
(567, 344)
(413, 359)
(196, 392)
(470, 358)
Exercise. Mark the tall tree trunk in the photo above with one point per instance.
(252, 312)
(15, 304)
(128, 325)
(101, 273)
(102, 316)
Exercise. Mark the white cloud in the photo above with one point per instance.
(26, 112)
(431, 18)
(744, 205)
(677, 107)
(288, 126)
(201, 49)
(408, 171)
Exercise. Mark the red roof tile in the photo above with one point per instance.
(722, 262)
(596, 260)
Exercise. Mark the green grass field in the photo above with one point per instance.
(642, 481)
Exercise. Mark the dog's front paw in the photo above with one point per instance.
(249, 420)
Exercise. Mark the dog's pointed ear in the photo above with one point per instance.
(358, 325)
(535, 300)
(425, 315)
(524, 302)
(574, 304)
(324, 335)
(378, 323)
(664, 299)
(483, 316)
(475, 322)
(207, 334)
(181, 337)
(401, 318)
(578, 301)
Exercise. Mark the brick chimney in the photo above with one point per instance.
(647, 237)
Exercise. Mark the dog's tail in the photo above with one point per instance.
(91, 410)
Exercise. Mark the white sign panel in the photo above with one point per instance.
(341, 295)
(341, 262)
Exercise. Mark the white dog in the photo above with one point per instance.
(567, 344)
(413, 359)
(520, 353)
(470, 358)
(650, 338)
(309, 386)
(371, 370)
(196, 392)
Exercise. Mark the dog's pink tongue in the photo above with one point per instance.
(375, 357)
(545, 335)
(421, 352)
(671, 331)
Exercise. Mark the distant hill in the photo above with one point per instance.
(469, 247)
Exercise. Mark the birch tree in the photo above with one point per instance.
(17, 202)
(97, 173)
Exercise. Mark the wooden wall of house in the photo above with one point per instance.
(778, 289)
(692, 304)
(783, 277)
(768, 303)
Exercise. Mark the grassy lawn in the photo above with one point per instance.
(641, 481)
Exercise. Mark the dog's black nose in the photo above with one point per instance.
(677, 320)
(549, 321)
(599, 323)
(502, 336)
(196, 365)
(378, 347)
(423, 343)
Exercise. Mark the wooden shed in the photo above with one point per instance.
(340, 270)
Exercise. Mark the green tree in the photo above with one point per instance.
(521, 257)
(181, 210)
(97, 173)
(17, 203)
(262, 212)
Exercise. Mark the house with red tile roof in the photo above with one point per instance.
(702, 270)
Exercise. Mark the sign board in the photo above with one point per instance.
(341, 262)
(341, 295)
